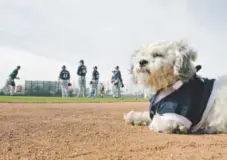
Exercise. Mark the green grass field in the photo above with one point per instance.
(25, 99)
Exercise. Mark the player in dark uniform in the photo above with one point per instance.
(64, 77)
(121, 84)
(94, 82)
(81, 72)
(10, 83)
(115, 80)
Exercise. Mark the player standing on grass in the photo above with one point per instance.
(120, 85)
(94, 82)
(81, 72)
(64, 78)
(115, 80)
(10, 83)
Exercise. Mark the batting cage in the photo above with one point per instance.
(42, 88)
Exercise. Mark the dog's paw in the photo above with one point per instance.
(137, 123)
(129, 123)
(212, 130)
(183, 129)
(180, 129)
(147, 123)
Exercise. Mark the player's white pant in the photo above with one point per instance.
(117, 90)
(9, 87)
(94, 88)
(82, 86)
(64, 88)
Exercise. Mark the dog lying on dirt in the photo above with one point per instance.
(183, 101)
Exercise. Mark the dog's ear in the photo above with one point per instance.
(133, 77)
(183, 66)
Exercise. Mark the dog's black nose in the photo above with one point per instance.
(143, 62)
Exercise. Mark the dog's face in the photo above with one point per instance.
(160, 64)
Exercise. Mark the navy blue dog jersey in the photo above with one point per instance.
(189, 100)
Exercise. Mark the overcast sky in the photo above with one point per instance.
(42, 35)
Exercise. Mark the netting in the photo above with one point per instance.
(42, 88)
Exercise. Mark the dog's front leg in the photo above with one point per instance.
(164, 124)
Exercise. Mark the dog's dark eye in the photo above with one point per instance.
(157, 55)
(182, 48)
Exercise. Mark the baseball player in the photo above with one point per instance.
(64, 78)
(10, 83)
(94, 82)
(115, 80)
(120, 81)
(81, 72)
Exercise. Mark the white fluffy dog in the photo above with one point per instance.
(184, 102)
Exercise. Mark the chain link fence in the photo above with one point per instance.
(42, 88)
(53, 89)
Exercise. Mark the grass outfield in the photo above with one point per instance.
(21, 99)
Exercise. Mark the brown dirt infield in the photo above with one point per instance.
(94, 131)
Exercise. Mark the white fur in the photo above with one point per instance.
(177, 60)
(169, 122)
(137, 118)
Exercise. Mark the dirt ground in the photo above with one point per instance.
(94, 131)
